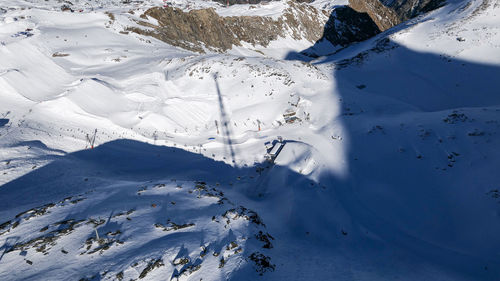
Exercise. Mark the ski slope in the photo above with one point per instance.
(388, 172)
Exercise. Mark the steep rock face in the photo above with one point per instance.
(388, 13)
(346, 26)
(204, 29)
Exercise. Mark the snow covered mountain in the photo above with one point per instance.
(123, 157)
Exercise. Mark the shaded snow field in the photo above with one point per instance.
(389, 169)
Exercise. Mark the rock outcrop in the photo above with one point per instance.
(388, 13)
(346, 26)
(204, 30)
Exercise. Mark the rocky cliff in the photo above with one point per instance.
(346, 26)
(388, 13)
(204, 30)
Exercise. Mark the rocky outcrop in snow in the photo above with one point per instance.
(203, 29)
(388, 13)
(346, 26)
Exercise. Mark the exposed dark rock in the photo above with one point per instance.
(388, 13)
(266, 239)
(262, 263)
(202, 30)
(199, 30)
(346, 26)
(150, 267)
(173, 226)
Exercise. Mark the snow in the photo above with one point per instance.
(391, 172)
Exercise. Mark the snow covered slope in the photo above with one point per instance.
(388, 170)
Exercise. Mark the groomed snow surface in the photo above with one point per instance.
(389, 169)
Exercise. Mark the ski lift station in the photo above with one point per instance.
(274, 148)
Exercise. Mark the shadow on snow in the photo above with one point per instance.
(398, 197)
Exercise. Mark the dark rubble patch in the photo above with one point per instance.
(181, 261)
(173, 226)
(103, 244)
(242, 212)
(5, 224)
(187, 269)
(45, 242)
(129, 212)
(202, 190)
(150, 267)
(262, 263)
(476, 133)
(494, 193)
(96, 222)
(39, 211)
(265, 238)
(34, 212)
(455, 117)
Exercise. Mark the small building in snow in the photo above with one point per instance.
(274, 149)
(290, 116)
